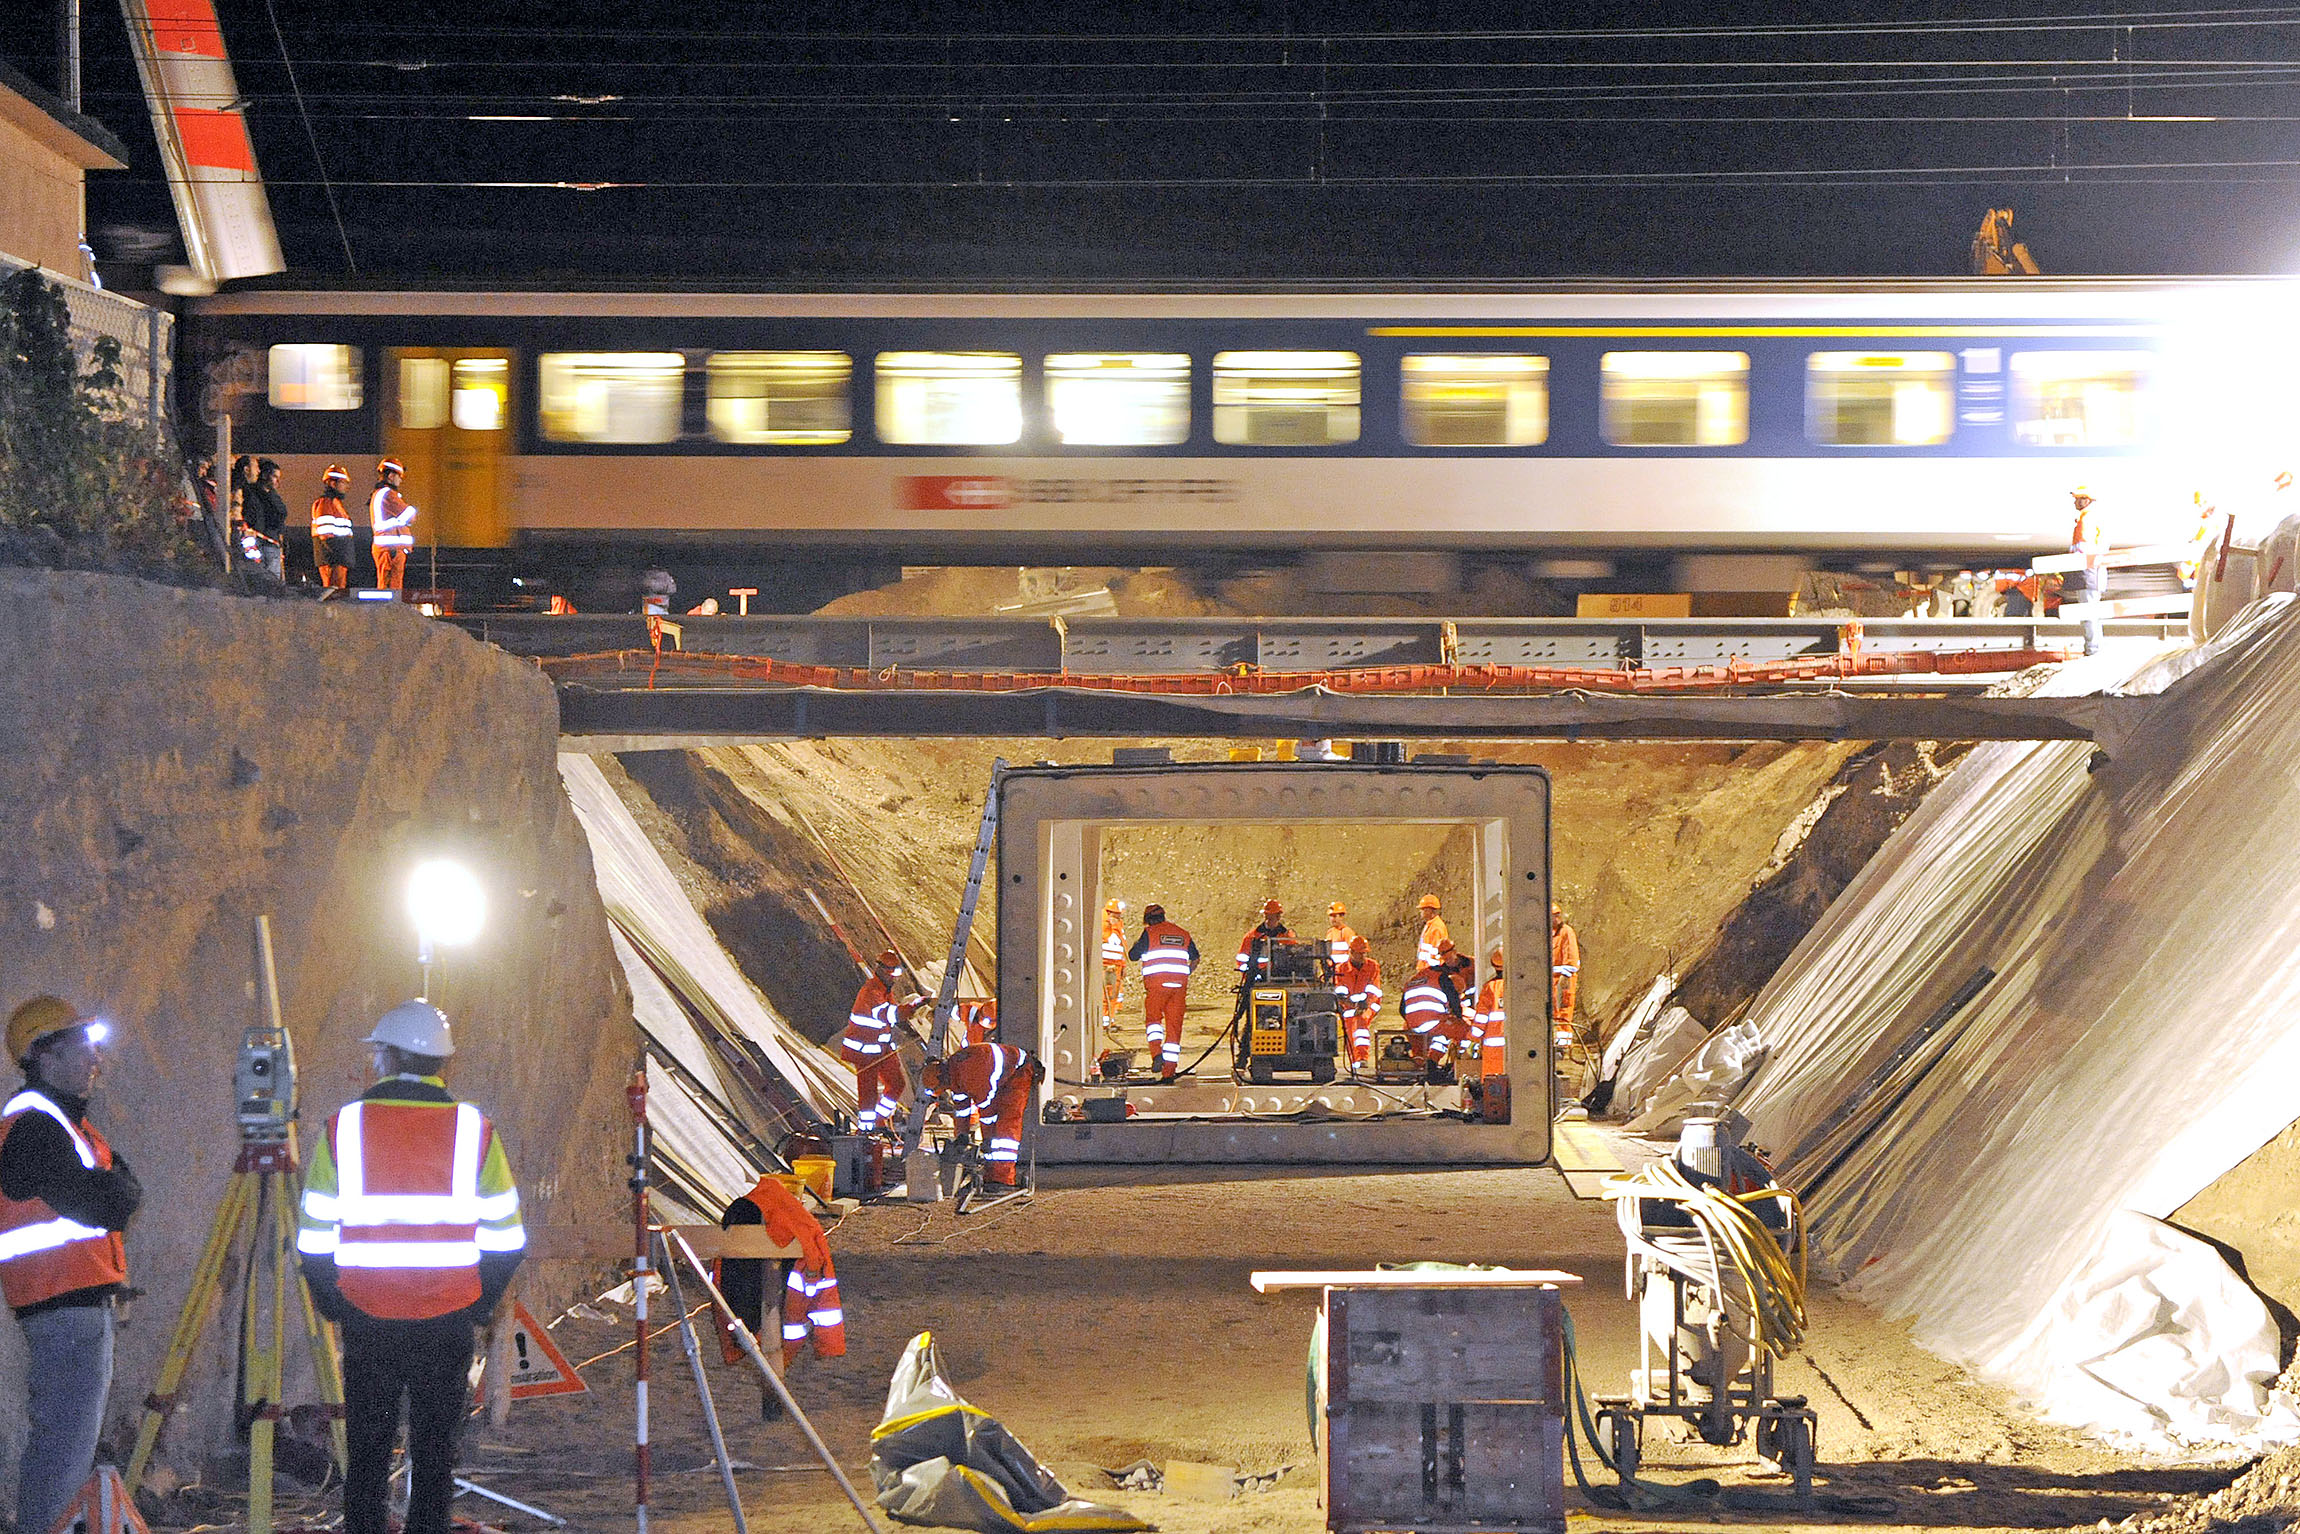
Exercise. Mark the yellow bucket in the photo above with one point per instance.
(815, 1172)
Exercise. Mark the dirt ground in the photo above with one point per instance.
(1110, 1319)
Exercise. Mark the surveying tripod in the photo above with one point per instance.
(256, 1224)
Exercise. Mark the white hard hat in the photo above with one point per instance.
(417, 1027)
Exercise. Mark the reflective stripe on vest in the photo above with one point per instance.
(1424, 1003)
(44, 1254)
(427, 1231)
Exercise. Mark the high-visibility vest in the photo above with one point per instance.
(1433, 933)
(1254, 934)
(977, 1077)
(981, 1019)
(1113, 940)
(1564, 971)
(1166, 956)
(1338, 940)
(1492, 1015)
(1424, 1006)
(42, 1253)
(871, 1025)
(330, 518)
(1361, 987)
(398, 1202)
(391, 516)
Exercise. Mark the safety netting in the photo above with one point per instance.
(2057, 1004)
(727, 1076)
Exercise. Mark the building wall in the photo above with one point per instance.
(43, 203)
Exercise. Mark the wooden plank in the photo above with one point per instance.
(1579, 1148)
(1589, 1185)
(1401, 1278)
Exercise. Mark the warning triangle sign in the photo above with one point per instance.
(538, 1368)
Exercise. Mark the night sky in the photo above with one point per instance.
(816, 145)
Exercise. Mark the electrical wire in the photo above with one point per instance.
(1756, 1273)
(311, 136)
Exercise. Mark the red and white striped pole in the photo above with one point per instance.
(643, 1247)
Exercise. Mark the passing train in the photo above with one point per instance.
(1925, 423)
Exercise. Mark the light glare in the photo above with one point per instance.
(446, 902)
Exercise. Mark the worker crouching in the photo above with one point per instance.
(992, 1081)
(409, 1234)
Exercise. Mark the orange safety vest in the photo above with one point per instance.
(981, 1019)
(1424, 1004)
(1246, 943)
(1493, 1015)
(1113, 940)
(391, 516)
(408, 1206)
(1166, 956)
(1338, 938)
(43, 1254)
(1361, 986)
(1433, 933)
(871, 1025)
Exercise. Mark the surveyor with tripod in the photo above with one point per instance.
(65, 1196)
(409, 1235)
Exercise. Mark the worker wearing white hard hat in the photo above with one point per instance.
(409, 1233)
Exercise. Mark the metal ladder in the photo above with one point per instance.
(946, 998)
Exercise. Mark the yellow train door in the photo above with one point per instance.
(447, 416)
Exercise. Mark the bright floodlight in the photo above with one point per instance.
(97, 1030)
(447, 903)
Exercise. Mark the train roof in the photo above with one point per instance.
(1592, 298)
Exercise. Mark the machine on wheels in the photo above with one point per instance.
(1716, 1263)
(1289, 1016)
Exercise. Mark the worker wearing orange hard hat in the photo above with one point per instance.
(1272, 928)
(1358, 979)
(993, 1082)
(1167, 954)
(868, 1045)
(1433, 932)
(1432, 1010)
(1564, 973)
(393, 519)
(1339, 934)
(65, 1196)
(1113, 961)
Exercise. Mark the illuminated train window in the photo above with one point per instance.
(481, 394)
(1873, 399)
(422, 393)
(314, 377)
(1674, 399)
(796, 399)
(621, 397)
(2078, 399)
(1119, 399)
(949, 399)
(1478, 400)
(1285, 399)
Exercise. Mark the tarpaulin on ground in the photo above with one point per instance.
(645, 902)
(2127, 944)
(939, 1461)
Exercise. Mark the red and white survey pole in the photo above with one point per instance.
(643, 1246)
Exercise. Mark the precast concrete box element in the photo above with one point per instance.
(1052, 823)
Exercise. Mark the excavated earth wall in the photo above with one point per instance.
(176, 762)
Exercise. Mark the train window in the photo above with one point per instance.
(1119, 399)
(949, 399)
(1285, 399)
(2078, 399)
(422, 393)
(1872, 399)
(314, 376)
(1479, 400)
(482, 390)
(796, 399)
(1674, 399)
(610, 396)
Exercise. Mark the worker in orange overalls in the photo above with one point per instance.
(1491, 1016)
(993, 1081)
(1339, 934)
(1167, 954)
(809, 1285)
(1272, 926)
(868, 1045)
(331, 535)
(1564, 973)
(392, 517)
(1359, 980)
(1432, 1011)
(1113, 961)
(1433, 932)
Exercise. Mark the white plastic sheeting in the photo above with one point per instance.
(644, 900)
(1711, 1074)
(1648, 1063)
(2138, 1040)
